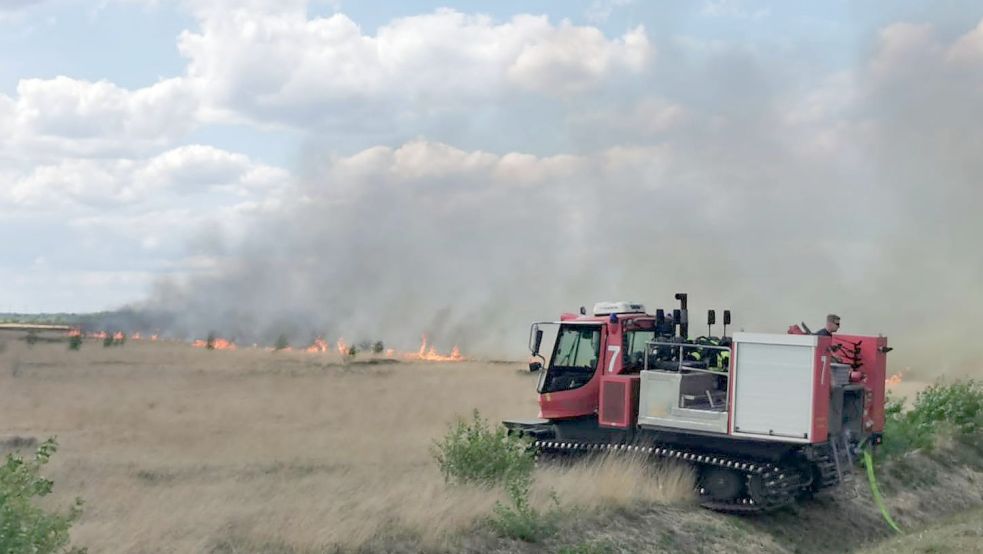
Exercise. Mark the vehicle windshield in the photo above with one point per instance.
(574, 358)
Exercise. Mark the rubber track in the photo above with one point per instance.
(779, 486)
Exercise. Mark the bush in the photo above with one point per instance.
(471, 452)
(75, 342)
(25, 527)
(281, 343)
(955, 408)
(378, 347)
(959, 405)
(519, 520)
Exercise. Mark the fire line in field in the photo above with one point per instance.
(427, 351)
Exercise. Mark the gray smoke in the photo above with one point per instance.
(778, 195)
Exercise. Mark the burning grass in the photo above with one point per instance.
(179, 449)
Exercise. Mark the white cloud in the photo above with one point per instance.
(180, 171)
(902, 48)
(434, 164)
(968, 50)
(196, 167)
(54, 118)
(285, 67)
(572, 59)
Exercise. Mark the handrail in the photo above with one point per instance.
(681, 346)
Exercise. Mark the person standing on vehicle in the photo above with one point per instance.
(832, 326)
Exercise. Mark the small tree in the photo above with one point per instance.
(24, 527)
(108, 341)
(352, 351)
(378, 347)
(475, 452)
(75, 342)
(281, 342)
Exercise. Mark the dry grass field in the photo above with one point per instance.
(178, 449)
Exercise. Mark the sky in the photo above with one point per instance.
(393, 168)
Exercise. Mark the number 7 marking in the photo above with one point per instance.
(614, 356)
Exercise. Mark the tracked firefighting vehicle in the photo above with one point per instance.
(763, 418)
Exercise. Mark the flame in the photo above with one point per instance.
(99, 335)
(431, 355)
(894, 380)
(342, 347)
(217, 344)
(154, 337)
(119, 336)
(135, 336)
(320, 345)
(390, 352)
(222, 344)
(75, 332)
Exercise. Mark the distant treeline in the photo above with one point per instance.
(75, 320)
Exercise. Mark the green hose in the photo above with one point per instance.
(869, 462)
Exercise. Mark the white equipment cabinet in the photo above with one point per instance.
(773, 386)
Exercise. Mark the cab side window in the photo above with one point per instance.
(634, 350)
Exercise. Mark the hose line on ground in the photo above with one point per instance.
(869, 462)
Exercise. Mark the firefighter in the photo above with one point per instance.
(832, 326)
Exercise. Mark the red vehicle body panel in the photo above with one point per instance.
(584, 401)
(873, 369)
(822, 378)
(619, 401)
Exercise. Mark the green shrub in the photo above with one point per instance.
(25, 527)
(281, 343)
(942, 407)
(75, 342)
(959, 405)
(378, 347)
(472, 452)
(518, 519)
(108, 341)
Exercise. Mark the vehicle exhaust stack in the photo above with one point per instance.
(684, 313)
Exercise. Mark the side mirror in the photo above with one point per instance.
(711, 317)
(677, 317)
(538, 343)
(726, 317)
(535, 366)
(583, 310)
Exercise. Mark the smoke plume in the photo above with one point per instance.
(778, 195)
